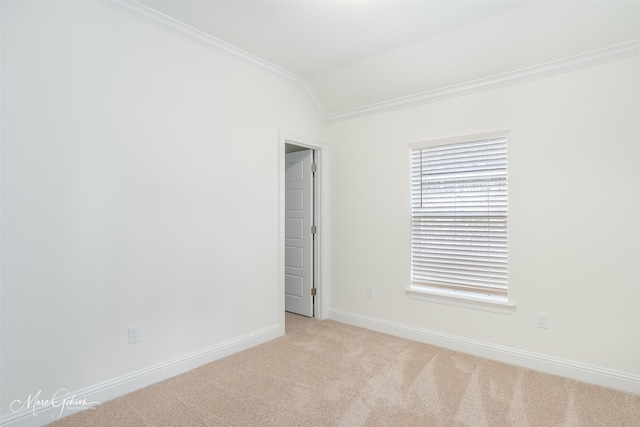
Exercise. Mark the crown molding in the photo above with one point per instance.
(160, 20)
(564, 65)
(169, 24)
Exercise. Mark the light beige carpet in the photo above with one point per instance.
(324, 373)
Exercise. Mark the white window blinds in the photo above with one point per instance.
(459, 215)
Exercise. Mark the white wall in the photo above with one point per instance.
(139, 186)
(574, 224)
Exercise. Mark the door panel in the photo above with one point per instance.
(294, 286)
(294, 228)
(294, 257)
(298, 238)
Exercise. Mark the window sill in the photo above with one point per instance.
(438, 296)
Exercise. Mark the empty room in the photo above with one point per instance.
(320, 212)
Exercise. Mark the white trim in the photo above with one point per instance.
(572, 63)
(125, 384)
(441, 296)
(580, 371)
(171, 25)
(167, 23)
(152, 16)
(317, 146)
(460, 139)
(315, 100)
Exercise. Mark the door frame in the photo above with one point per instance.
(317, 146)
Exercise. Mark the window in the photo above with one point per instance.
(459, 216)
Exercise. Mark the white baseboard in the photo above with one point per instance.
(116, 387)
(566, 368)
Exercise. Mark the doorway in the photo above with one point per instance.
(300, 229)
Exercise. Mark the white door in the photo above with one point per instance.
(298, 237)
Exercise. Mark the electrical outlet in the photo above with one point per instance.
(134, 334)
(369, 292)
(543, 320)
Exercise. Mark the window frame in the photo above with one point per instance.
(448, 294)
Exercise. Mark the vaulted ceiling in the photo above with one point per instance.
(354, 53)
(311, 38)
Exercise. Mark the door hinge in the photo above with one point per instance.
(314, 229)
(314, 168)
(313, 292)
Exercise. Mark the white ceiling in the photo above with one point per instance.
(354, 53)
(313, 37)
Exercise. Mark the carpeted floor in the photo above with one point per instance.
(324, 373)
